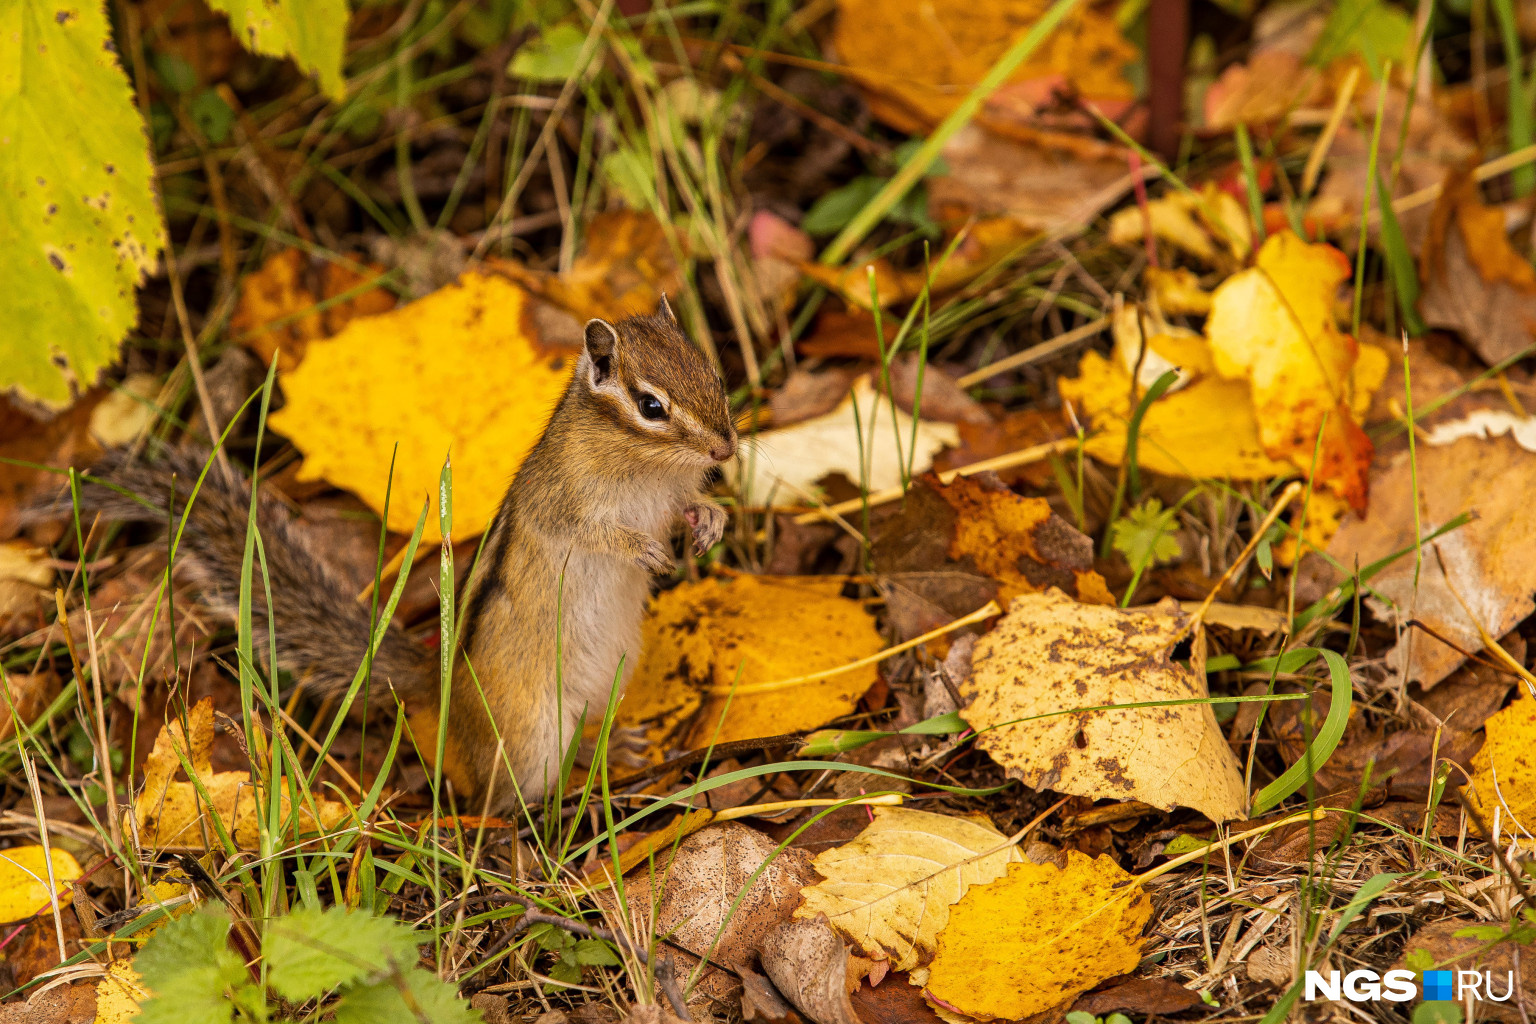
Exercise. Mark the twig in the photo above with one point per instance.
(1044, 350)
(666, 977)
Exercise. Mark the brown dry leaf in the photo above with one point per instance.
(462, 370)
(889, 890)
(1159, 996)
(1273, 326)
(702, 640)
(809, 964)
(628, 263)
(61, 440)
(26, 582)
(848, 334)
(805, 395)
(1504, 771)
(695, 892)
(65, 1004)
(1010, 432)
(1051, 654)
(1470, 953)
(1474, 280)
(1271, 84)
(1470, 569)
(287, 288)
(928, 392)
(915, 69)
(1038, 937)
(782, 467)
(1049, 185)
(173, 814)
(30, 696)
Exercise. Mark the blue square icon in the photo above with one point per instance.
(1438, 986)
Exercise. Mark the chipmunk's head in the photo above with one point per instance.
(649, 379)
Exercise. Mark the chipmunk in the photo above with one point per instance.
(584, 525)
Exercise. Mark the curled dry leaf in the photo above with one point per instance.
(707, 642)
(172, 814)
(696, 891)
(1273, 326)
(1038, 937)
(1504, 770)
(782, 467)
(888, 891)
(1466, 578)
(25, 889)
(1050, 654)
(1486, 423)
(276, 314)
(1210, 226)
(461, 370)
(809, 964)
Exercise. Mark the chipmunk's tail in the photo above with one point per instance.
(322, 631)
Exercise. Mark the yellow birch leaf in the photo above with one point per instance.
(1038, 937)
(1272, 325)
(1051, 654)
(1504, 770)
(702, 640)
(24, 888)
(312, 32)
(119, 993)
(888, 891)
(459, 371)
(173, 814)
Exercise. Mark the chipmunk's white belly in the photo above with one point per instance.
(604, 604)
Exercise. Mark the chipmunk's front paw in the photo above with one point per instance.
(655, 558)
(708, 523)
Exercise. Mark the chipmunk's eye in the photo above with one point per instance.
(651, 407)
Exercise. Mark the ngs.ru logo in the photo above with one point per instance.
(1401, 986)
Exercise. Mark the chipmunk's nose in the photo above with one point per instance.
(723, 449)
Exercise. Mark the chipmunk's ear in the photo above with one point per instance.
(664, 309)
(601, 342)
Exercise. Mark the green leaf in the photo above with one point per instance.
(596, 953)
(837, 208)
(1437, 1013)
(191, 970)
(1328, 736)
(313, 33)
(1144, 535)
(1080, 1017)
(1178, 846)
(80, 228)
(310, 952)
(1375, 30)
(435, 1001)
(196, 996)
(552, 57)
(175, 73)
(1483, 932)
(1419, 961)
(212, 116)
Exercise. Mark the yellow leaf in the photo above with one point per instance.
(1177, 291)
(459, 371)
(1211, 226)
(918, 66)
(702, 639)
(1168, 346)
(1504, 770)
(890, 889)
(1272, 325)
(1051, 654)
(277, 314)
(119, 993)
(174, 814)
(1039, 937)
(24, 887)
(781, 467)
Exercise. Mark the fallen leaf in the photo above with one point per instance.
(60, 441)
(173, 814)
(931, 394)
(1051, 654)
(1047, 185)
(1465, 578)
(1504, 771)
(459, 371)
(760, 1001)
(805, 395)
(722, 893)
(1504, 960)
(126, 411)
(846, 334)
(1148, 346)
(30, 696)
(1474, 281)
(1486, 423)
(1268, 86)
(704, 640)
(1177, 291)
(1160, 996)
(782, 467)
(26, 581)
(1038, 937)
(276, 313)
(64, 1004)
(1209, 225)
(25, 886)
(119, 993)
(915, 70)
(1273, 326)
(627, 264)
(894, 1001)
(889, 890)
(809, 964)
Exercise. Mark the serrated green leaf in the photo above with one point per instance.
(313, 33)
(192, 942)
(552, 57)
(1145, 534)
(596, 953)
(310, 952)
(196, 996)
(436, 1002)
(80, 227)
